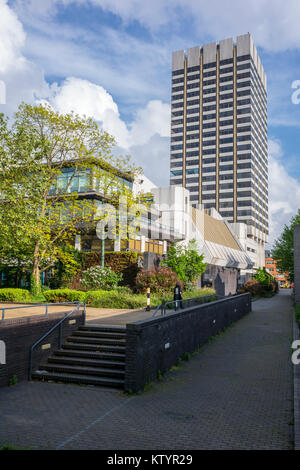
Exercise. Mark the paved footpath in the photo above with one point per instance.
(236, 393)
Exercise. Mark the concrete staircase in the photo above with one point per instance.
(93, 355)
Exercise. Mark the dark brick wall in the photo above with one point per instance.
(146, 352)
(19, 334)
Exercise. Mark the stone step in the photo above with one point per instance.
(79, 379)
(86, 362)
(95, 341)
(99, 334)
(83, 370)
(107, 356)
(102, 327)
(94, 347)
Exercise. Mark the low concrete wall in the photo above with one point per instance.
(155, 345)
(19, 334)
(223, 280)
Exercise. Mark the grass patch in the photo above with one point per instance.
(148, 386)
(6, 446)
(13, 380)
(186, 356)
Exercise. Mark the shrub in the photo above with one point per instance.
(92, 296)
(186, 262)
(64, 295)
(262, 284)
(161, 298)
(125, 262)
(199, 292)
(97, 277)
(275, 287)
(44, 288)
(159, 280)
(253, 286)
(113, 299)
(14, 295)
(124, 298)
(124, 290)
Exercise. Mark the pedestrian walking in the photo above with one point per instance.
(178, 295)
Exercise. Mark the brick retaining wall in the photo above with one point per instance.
(155, 345)
(19, 334)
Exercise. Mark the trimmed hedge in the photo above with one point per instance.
(64, 295)
(14, 295)
(93, 296)
(114, 299)
(122, 297)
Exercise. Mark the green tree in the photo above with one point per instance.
(263, 277)
(40, 211)
(186, 262)
(283, 251)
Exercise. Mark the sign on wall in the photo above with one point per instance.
(2, 352)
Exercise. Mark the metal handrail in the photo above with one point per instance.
(162, 307)
(37, 305)
(50, 331)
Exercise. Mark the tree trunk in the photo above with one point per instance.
(35, 281)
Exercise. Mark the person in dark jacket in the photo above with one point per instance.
(178, 295)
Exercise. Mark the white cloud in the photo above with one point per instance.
(275, 149)
(22, 78)
(146, 138)
(284, 192)
(154, 158)
(12, 39)
(86, 98)
(274, 25)
(151, 120)
(91, 100)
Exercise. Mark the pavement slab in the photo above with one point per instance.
(236, 393)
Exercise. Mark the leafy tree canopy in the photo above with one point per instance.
(283, 251)
(186, 262)
(44, 157)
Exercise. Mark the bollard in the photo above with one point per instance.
(148, 299)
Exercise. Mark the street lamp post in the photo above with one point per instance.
(102, 249)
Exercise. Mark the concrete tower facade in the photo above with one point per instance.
(219, 131)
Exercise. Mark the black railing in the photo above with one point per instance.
(175, 305)
(59, 324)
(3, 309)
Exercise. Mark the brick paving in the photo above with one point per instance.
(110, 316)
(236, 393)
(296, 367)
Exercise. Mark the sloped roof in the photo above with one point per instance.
(213, 230)
(220, 242)
(216, 231)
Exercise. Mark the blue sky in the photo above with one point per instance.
(111, 59)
